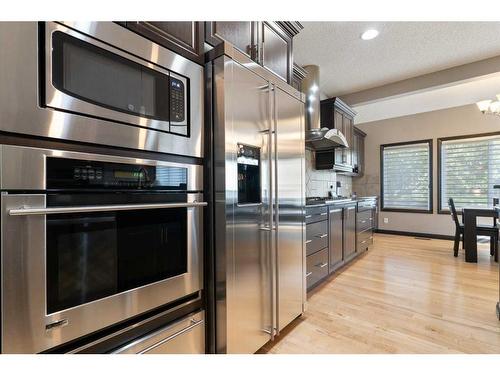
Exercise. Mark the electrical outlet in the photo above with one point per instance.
(386, 220)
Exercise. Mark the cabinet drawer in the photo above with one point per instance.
(314, 214)
(186, 336)
(365, 239)
(316, 267)
(364, 221)
(316, 236)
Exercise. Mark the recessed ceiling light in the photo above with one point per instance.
(369, 34)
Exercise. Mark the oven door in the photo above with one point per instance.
(69, 270)
(86, 76)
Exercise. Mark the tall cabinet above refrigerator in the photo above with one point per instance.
(259, 196)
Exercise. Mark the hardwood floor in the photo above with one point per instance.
(404, 295)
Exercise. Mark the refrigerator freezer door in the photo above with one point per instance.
(248, 234)
(290, 196)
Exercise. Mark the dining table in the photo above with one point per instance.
(469, 217)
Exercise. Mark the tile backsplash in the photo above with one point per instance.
(318, 182)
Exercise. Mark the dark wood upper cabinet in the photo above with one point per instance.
(298, 74)
(335, 114)
(241, 34)
(358, 152)
(276, 51)
(183, 37)
(268, 43)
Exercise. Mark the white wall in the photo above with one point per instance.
(318, 182)
(462, 120)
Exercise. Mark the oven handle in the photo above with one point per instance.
(25, 211)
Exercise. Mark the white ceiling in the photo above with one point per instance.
(402, 50)
(459, 94)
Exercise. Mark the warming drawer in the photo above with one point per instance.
(185, 336)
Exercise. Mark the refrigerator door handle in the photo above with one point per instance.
(276, 211)
(271, 210)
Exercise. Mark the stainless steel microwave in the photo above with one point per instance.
(98, 82)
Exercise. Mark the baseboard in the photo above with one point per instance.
(415, 234)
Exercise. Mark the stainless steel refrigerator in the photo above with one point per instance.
(259, 197)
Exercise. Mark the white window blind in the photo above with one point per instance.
(407, 176)
(469, 169)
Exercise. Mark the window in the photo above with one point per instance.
(468, 169)
(406, 181)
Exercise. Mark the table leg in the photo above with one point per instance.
(470, 237)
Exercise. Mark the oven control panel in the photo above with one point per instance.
(84, 174)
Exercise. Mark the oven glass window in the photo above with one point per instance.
(95, 255)
(101, 77)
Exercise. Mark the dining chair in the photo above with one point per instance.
(482, 230)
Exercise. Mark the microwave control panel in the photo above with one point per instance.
(177, 101)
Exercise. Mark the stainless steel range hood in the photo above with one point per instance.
(318, 138)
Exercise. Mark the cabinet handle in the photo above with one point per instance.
(337, 210)
(309, 241)
(323, 214)
(309, 274)
(322, 265)
(308, 216)
(322, 235)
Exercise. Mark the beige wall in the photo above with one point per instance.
(443, 123)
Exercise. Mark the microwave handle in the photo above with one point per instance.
(25, 211)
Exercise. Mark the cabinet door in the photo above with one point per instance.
(241, 34)
(339, 125)
(336, 239)
(361, 155)
(276, 50)
(349, 232)
(183, 37)
(355, 153)
(347, 126)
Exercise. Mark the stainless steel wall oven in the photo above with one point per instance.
(91, 240)
(98, 82)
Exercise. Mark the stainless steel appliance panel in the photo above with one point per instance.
(185, 336)
(290, 202)
(21, 110)
(245, 117)
(249, 109)
(26, 325)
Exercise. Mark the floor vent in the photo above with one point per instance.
(422, 238)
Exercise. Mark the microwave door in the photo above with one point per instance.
(87, 77)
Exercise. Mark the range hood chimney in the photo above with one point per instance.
(318, 138)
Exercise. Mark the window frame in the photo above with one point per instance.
(439, 161)
(431, 179)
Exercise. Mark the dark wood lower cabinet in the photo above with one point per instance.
(335, 241)
(316, 268)
(336, 248)
(349, 232)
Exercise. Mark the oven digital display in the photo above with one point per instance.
(131, 175)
